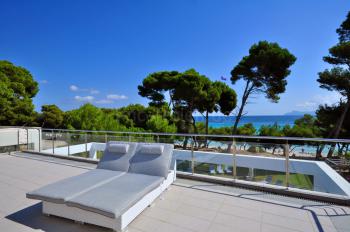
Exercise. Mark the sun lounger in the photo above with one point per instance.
(268, 180)
(279, 182)
(212, 169)
(141, 172)
(63, 190)
(228, 170)
(114, 163)
(220, 170)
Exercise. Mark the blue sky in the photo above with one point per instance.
(99, 51)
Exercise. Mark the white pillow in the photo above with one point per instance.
(152, 149)
(118, 148)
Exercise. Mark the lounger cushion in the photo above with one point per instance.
(118, 148)
(114, 158)
(152, 164)
(61, 191)
(153, 149)
(115, 197)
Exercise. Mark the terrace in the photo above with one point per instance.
(216, 190)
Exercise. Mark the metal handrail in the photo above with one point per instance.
(209, 135)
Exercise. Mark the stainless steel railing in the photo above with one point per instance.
(281, 161)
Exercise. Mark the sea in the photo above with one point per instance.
(256, 120)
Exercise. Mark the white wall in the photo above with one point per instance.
(326, 179)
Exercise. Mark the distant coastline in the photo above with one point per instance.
(256, 120)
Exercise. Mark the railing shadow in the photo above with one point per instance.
(33, 217)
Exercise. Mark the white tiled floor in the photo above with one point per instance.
(179, 209)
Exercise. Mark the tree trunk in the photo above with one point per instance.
(207, 123)
(184, 146)
(245, 96)
(338, 127)
(341, 120)
(195, 130)
(206, 128)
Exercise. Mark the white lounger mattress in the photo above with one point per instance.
(61, 191)
(112, 199)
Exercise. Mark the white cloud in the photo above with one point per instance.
(84, 98)
(307, 104)
(74, 88)
(116, 97)
(317, 100)
(94, 91)
(43, 82)
(104, 101)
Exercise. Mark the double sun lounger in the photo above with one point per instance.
(128, 178)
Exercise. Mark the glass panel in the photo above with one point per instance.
(307, 165)
(77, 146)
(213, 157)
(47, 142)
(61, 141)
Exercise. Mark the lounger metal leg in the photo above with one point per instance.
(79, 222)
(124, 230)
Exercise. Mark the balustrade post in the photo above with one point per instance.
(86, 143)
(39, 137)
(18, 138)
(68, 141)
(27, 139)
(286, 154)
(234, 160)
(53, 141)
(192, 155)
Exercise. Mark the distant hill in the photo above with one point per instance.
(295, 112)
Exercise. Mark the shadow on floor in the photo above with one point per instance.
(32, 217)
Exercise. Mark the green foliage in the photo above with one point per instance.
(339, 54)
(271, 130)
(51, 117)
(337, 79)
(188, 92)
(17, 88)
(156, 84)
(264, 70)
(246, 129)
(228, 98)
(303, 127)
(89, 117)
(159, 124)
(221, 131)
(139, 114)
(344, 30)
(327, 117)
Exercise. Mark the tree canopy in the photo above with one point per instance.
(188, 92)
(51, 117)
(17, 88)
(338, 77)
(344, 29)
(264, 71)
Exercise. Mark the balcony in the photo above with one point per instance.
(198, 201)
